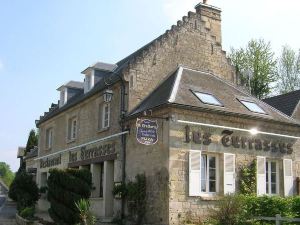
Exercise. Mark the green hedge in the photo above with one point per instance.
(243, 209)
(65, 187)
(272, 205)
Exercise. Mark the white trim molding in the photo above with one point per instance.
(235, 128)
(84, 144)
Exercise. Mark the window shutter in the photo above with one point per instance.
(229, 173)
(69, 128)
(288, 177)
(194, 173)
(261, 175)
(100, 119)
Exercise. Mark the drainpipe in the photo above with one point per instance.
(123, 137)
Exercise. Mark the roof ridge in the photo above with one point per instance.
(281, 95)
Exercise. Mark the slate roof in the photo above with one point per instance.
(177, 89)
(111, 77)
(72, 84)
(32, 153)
(285, 103)
(101, 66)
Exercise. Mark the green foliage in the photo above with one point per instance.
(288, 70)
(6, 174)
(135, 194)
(65, 187)
(229, 211)
(268, 206)
(86, 217)
(256, 65)
(242, 209)
(32, 140)
(24, 190)
(28, 213)
(247, 181)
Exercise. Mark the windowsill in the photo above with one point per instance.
(214, 197)
(103, 129)
(71, 141)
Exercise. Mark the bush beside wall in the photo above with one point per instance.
(65, 187)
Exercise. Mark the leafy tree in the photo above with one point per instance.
(288, 70)
(6, 174)
(24, 190)
(256, 65)
(32, 140)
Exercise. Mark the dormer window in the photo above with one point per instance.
(89, 81)
(68, 91)
(63, 97)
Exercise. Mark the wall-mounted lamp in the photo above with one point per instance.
(108, 94)
(253, 131)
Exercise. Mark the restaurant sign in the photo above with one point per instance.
(86, 153)
(146, 131)
(227, 139)
(50, 162)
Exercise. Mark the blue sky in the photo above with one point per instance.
(44, 44)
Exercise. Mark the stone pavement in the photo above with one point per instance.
(7, 212)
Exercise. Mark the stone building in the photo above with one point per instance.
(173, 111)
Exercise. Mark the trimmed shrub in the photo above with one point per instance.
(65, 187)
(229, 211)
(28, 213)
(23, 190)
(243, 209)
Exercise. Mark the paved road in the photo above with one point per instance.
(7, 211)
(2, 200)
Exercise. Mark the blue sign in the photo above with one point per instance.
(146, 131)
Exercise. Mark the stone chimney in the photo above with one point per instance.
(211, 20)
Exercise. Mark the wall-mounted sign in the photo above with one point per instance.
(50, 162)
(229, 140)
(146, 131)
(93, 152)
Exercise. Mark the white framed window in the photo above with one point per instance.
(203, 173)
(207, 98)
(89, 81)
(272, 178)
(252, 106)
(105, 115)
(72, 128)
(49, 138)
(209, 174)
(267, 176)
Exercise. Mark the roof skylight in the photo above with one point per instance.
(252, 107)
(208, 98)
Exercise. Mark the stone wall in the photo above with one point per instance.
(87, 118)
(182, 207)
(152, 160)
(194, 42)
